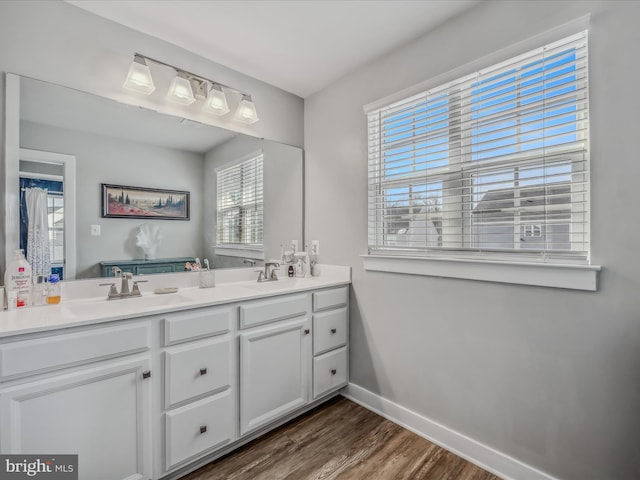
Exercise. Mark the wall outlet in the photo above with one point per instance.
(95, 230)
(315, 247)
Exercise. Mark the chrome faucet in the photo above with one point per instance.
(125, 292)
(269, 272)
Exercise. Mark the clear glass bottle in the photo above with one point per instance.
(53, 295)
(40, 289)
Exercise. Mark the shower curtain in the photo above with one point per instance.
(38, 254)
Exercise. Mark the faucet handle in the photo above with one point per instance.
(113, 291)
(135, 289)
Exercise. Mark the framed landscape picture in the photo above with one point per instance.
(121, 201)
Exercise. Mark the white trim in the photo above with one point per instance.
(552, 35)
(575, 277)
(41, 176)
(492, 460)
(239, 251)
(11, 166)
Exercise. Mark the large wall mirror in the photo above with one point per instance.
(85, 141)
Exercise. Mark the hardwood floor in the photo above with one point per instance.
(340, 440)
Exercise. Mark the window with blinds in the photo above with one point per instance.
(240, 204)
(492, 165)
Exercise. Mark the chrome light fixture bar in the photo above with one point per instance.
(182, 89)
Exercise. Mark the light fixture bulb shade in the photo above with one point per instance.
(216, 101)
(246, 111)
(180, 90)
(139, 78)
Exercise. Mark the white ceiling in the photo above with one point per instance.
(300, 46)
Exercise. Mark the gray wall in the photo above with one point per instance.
(101, 159)
(548, 376)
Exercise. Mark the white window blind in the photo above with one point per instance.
(492, 165)
(240, 204)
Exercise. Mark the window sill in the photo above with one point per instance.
(575, 277)
(239, 251)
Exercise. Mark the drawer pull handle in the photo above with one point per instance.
(146, 374)
(307, 331)
(333, 371)
(203, 371)
(203, 429)
(333, 330)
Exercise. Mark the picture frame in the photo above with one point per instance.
(123, 201)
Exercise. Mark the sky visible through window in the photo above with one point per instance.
(514, 114)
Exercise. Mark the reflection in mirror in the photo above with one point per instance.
(47, 172)
(118, 144)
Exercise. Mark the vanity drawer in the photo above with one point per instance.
(329, 371)
(329, 330)
(196, 369)
(197, 324)
(59, 351)
(197, 427)
(335, 297)
(272, 310)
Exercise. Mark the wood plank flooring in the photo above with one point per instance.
(340, 440)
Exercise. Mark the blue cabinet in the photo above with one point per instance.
(145, 267)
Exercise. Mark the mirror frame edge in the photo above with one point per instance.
(11, 166)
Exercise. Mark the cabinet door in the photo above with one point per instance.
(274, 372)
(102, 414)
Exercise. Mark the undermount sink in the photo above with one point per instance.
(123, 305)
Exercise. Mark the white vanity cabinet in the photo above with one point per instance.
(94, 399)
(157, 394)
(275, 368)
(199, 383)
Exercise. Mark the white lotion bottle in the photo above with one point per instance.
(17, 279)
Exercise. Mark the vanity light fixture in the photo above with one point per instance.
(183, 86)
(216, 101)
(180, 90)
(246, 111)
(139, 77)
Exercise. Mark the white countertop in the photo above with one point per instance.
(231, 286)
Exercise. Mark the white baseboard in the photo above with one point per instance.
(475, 452)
